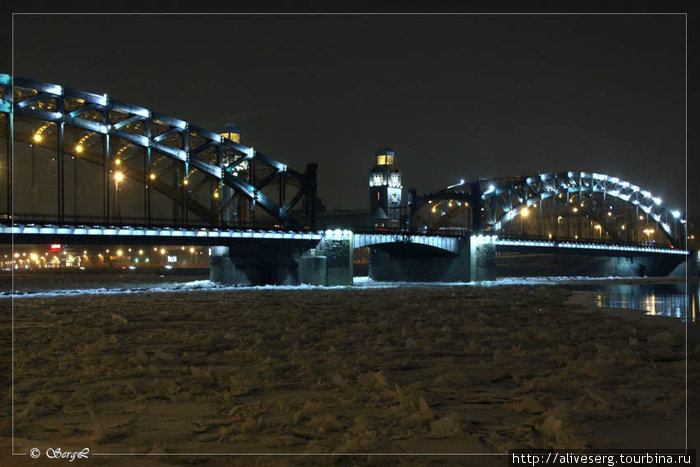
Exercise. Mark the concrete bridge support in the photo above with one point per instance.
(482, 258)
(475, 260)
(260, 261)
(227, 267)
(330, 263)
(327, 262)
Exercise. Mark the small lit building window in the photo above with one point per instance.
(385, 159)
(231, 132)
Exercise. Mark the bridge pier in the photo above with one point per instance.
(280, 262)
(228, 266)
(474, 259)
(330, 263)
(482, 258)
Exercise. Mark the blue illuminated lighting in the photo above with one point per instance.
(18, 229)
(587, 246)
(54, 89)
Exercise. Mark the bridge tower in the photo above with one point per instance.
(385, 191)
(236, 212)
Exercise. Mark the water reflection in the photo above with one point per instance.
(673, 300)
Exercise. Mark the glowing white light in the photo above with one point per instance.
(676, 214)
(141, 112)
(54, 89)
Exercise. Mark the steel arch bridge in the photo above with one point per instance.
(572, 206)
(109, 150)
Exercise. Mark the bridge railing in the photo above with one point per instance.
(409, 231)
(463, 232)
(49, 219)
(568, 239)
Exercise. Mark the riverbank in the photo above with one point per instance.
(398, 370)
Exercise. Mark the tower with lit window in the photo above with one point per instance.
(385, 191)
(235, 211)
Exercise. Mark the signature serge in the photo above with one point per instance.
(58, 453)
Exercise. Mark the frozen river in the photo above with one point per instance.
(664, 298)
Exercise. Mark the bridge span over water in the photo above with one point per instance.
(250, 257)
(78, 167)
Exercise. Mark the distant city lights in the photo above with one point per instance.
(113, 257)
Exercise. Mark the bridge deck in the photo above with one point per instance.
(143, 235)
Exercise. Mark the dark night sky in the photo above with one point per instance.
(460, 96)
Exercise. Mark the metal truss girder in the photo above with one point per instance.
(265, 181)
(170, 132)
(167, 119)
(127, 121)
(554, 184)
(30, 100)
(83, 109)
(188, 156)
(131, 137)
(260, 198)
(203, 147)
(39, 114)
(129, 109)
(294, 201)
(199, 185)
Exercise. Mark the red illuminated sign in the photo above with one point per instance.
(56, 247)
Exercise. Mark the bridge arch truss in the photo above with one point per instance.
(119, 152)
(562, 205)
